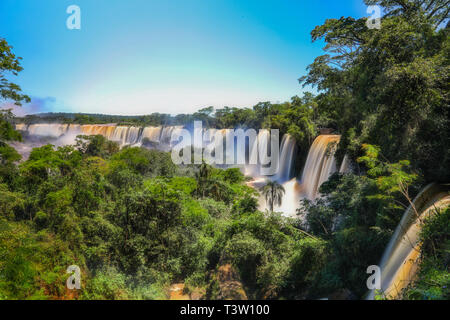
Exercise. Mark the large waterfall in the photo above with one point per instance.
(400, 260)
(320, 163)
(121, 134)
(399, 263)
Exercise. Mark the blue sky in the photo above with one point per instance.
(144, 56)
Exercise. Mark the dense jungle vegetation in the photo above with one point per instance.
(135, 223)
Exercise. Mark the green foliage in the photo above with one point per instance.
(32, 265)
(135, 223)
(9, 154)
(11, 203)
(143, 162)
(388, 87)
(10, 64)
(97, 146)
(107, 285)
(247, 253)
(391, 178)
(357, 227)
(433, 281)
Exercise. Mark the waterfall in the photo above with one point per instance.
(287, 153)
(399, 263)
(319, 165)
(345, 165)
(45, 130)
(153, 134)
(166, 134)
(291, 198)
(21, 127)
(258, 151)
(124, 135)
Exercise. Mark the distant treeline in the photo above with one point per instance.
(86, 118)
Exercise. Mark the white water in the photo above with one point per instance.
(152, 134)
(319, 165)
(287, 154)
(124, 135)
(291, 198)
(345, 165)
(253, 170)
(63, 134)
(400, 259)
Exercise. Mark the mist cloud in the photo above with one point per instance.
(37, 105)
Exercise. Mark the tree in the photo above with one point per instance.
(388, 87)
(96, 145)
(436, 11)
(391, 178)
(273, 193)
(9, 63)
(218, 189)
(202, 176)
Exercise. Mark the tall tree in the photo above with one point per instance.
(10, 64)
(273, 193)
(389, 87)
(202, 176)
(431, 11)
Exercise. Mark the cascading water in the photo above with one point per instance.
(345, 165)
(153, 134)
(122, 134)
(258, 151)
(47, 130)
(287, 153)
(400, 260)
(319, 165)
(291, 198)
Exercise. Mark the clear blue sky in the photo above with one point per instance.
(144, 56)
